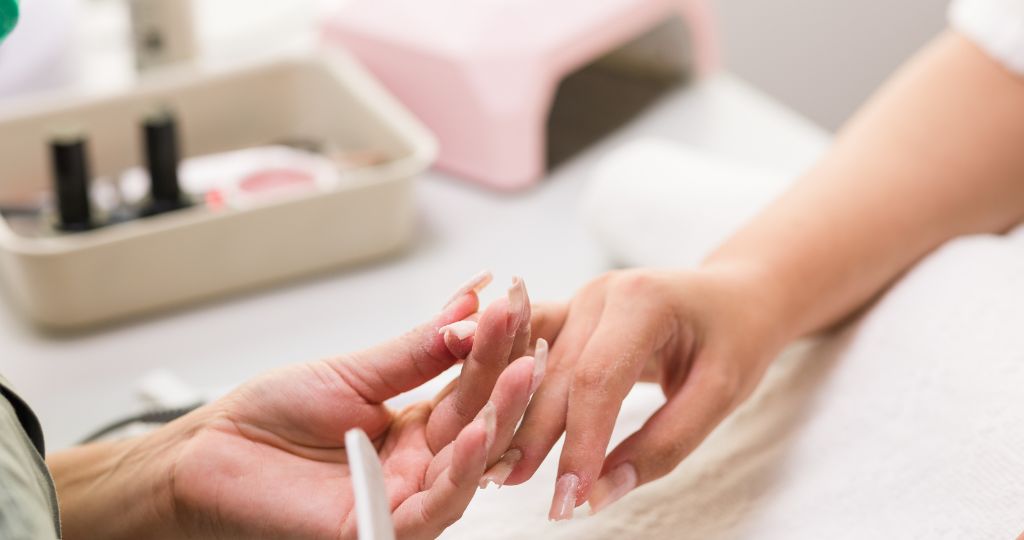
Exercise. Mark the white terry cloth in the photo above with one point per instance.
(908, 424)
(657, 203)
(997, 26)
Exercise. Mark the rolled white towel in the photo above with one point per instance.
(659, 203)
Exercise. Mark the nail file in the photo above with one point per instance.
(373, 511)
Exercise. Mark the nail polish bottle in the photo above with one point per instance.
(160, 134)
(71, 181)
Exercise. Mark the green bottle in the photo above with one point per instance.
(8, 17)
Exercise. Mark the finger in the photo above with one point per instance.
(668, 436)
(523, 377)
(627, 337)
(492, 344)
(547, 319)
(510, 397)
(404, 363)
(428, 513)
(444, 393)
(545, 417)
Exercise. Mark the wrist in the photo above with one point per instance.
(117, 489)
(760, 302)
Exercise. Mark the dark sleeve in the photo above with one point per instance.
(28, 500)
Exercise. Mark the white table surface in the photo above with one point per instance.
(77, 382)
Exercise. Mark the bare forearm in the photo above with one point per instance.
(938, 153)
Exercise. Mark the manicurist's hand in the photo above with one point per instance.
(701, 335)
(268, 461)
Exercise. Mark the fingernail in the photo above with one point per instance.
(489, 415)
(540, 364)
(564, 502)
(516, 305)
(475, 283)
(459, 329)
(502, 469)
(613, 486)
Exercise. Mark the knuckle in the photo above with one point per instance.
(599, 284)
(589, 378)
(440, 515)
(462, 406)
(637, 284)
(724, 385)
(451, 518)
(664, 457)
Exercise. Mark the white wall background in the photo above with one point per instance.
(823, 57)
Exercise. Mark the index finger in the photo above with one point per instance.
(610, 364)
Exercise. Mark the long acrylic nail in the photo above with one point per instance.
(502, 469)
(516, 305)
(613, 486)
(489, 415)
(564, 502)
(540, 364)
(475, 284)
(460, 329)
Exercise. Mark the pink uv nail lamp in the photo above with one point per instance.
(512, 87)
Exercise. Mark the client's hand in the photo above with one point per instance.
(267, 461)
(701, 335)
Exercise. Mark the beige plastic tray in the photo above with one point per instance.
(172, 259)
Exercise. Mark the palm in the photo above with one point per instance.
(272, 459)
(268, 460)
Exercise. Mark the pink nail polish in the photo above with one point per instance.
(613, 486)
(540, 363)
(502, 469)
(564, 502)
(475, 283)
(516, 305)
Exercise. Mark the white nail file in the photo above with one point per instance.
(373, 511)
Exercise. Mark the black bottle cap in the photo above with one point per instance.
(71, 181)
(160, 132)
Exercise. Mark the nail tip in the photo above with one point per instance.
(490, 417)
(491, 478)
(612, 487)
(540, 361)
(462, 330)
(476, 283)
(516, 305)
(564, 502)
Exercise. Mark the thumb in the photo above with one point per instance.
(408, 361)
